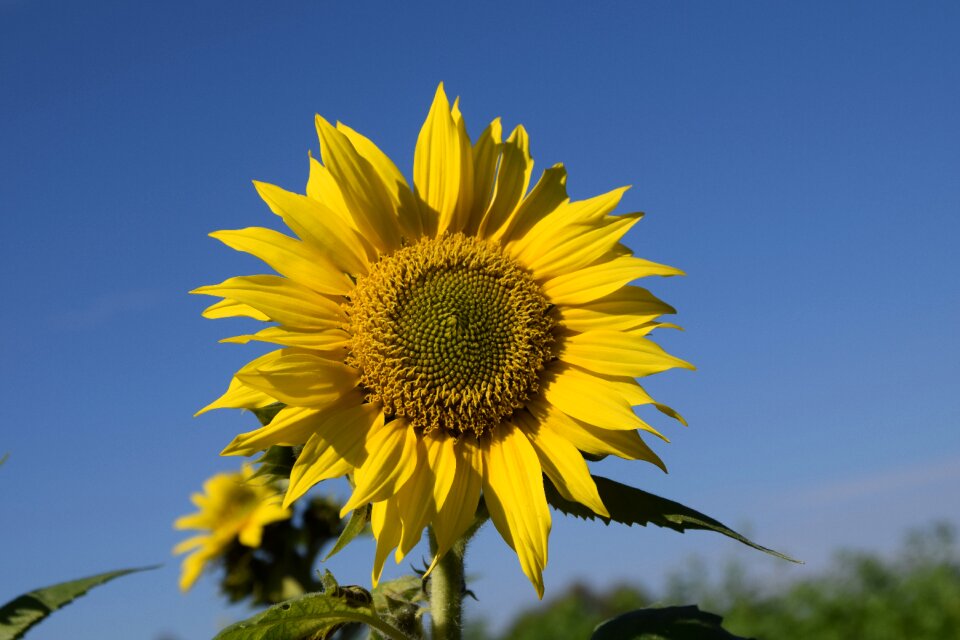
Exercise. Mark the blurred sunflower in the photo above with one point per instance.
(233, 507)
(460, 338)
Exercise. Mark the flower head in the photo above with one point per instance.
(233, 507)
(457, 339)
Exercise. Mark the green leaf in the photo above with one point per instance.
(276, 461)
(630, 506)
(358, 520)
(4, 458)
(399, 600)
(668, 623)
(314, 615)
(21, 613)
(406, 588)
(267, 413)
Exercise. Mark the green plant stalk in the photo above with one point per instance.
(447, 590)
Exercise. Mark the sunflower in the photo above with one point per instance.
(233, 506)
(462, 338)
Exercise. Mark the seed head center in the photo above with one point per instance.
(449, 333)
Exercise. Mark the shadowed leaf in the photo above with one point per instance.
(314, 615)
(20, 614)
(668, 623)
(358, 520)
(630, 506)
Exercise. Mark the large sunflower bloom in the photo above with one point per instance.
(459, 339)
(233, 507)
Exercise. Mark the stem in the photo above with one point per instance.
(446, 591)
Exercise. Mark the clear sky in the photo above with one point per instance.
(801, 161)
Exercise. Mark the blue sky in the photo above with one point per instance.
(800, 162)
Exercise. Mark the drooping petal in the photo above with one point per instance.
(302, 379)
(562, 463)
(618, 353)
(390, 462)
(294, 259)
(317, 224)
(415, 501)
(386, 527)
(363, 190)
(513, 490)
(335, 449)
(280, 299)
(596, 281)
(436, 164)
(458, 469)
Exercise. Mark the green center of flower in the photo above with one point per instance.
(449, 333)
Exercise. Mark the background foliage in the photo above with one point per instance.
(914, 594)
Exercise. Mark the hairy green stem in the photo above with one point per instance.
(446, 591)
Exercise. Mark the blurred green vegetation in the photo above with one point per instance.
(913, 594)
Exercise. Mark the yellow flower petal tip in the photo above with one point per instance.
(458, 335)
(233, 507)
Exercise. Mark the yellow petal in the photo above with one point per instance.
(486, 155)
(322, 187)
(318, 225)
(596, 281)
(573, 247)
(415, 502)
(386, 528)
(288, 257)
(241, 396)
(437, 164)
(302, 379)
(513, 178)
(282, 300)
(618, 353)
(326, 340)
(562, 463)
(625, 308)
(631, 391)
(363, 190)
(513, 490)
(465, 197)
(335, 449)
(391, 460)
(194, 564)
(459, 472)
(625, 444)
(291, 426)
(549, 193)
(589, 398)
(231, 309)
(190, 543)
(404, 202)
